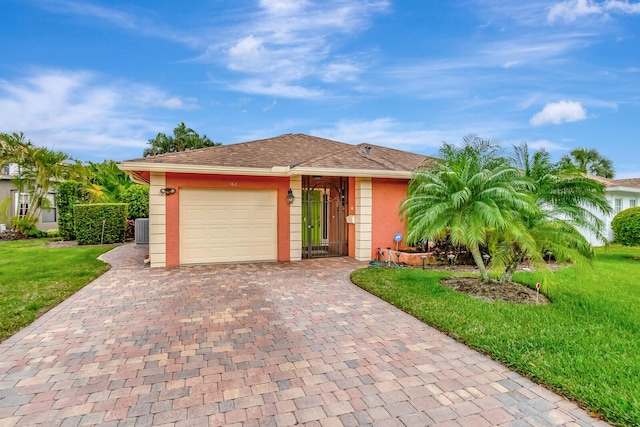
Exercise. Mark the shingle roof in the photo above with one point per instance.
(293, 150)
(609, 183)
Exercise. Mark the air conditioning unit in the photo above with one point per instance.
(142, 231)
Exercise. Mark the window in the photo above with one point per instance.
(632, 203)
(51, 214)
(617, 205)
(21, 203)
(6, 170)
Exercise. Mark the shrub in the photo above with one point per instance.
(25, 225)
(69, 193)
(137, 197)
(100, 223)
(626, 227)
(54, 232)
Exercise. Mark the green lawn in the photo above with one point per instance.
(34, 279)
(585, 345)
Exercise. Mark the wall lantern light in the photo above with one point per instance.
(290, 197)
(167, 191)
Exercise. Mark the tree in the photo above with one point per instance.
(38, 169)
(589, 160)
(566, 200)
(183, 139)
(104, 181)
(473, 193)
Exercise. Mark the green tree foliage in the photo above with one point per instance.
(473, 192)
(183, 139)
(626, 227)
(137, 197)
(99, 223)
(589, 160)
(104, 181)
(38, 169)
(566, 200)
(516, 207)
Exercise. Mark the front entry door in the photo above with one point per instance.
(324, 229)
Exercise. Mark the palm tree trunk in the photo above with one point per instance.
(477, 258)
(511, 268)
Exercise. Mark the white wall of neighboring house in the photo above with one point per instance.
(619, 198)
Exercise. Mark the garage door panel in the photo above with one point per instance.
(227, 225)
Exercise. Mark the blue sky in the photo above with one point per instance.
(97, 79)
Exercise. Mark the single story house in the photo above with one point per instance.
(622, 194)
(19, 202)
(285, 198)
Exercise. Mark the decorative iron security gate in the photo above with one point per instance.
(324, 211)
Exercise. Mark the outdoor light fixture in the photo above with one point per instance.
(290, 197)
(167, 191)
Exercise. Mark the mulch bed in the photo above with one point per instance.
(494, 291)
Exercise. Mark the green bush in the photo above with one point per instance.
(68, 194)
(626, 227)
(54, 232)
(137, 197)
(100, 223)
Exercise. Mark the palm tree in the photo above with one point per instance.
(183, 139)
(566, 200)
(104, 181)
(472, 194)
(589, 160)
(38, 169)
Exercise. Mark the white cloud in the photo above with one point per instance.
(389, 132)
(336, 72)
(571, 10)
(130, 21)
(292, 43)
(283, 90)
(547, 145)
(77, 110)
(282, 6)
(623, 6)
(559, 112)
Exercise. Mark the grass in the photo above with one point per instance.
(34, 278)
(585, 345)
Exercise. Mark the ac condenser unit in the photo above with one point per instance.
(142, 231)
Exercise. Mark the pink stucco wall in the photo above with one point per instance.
(387, 195)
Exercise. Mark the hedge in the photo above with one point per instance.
(626, 227)
(68, 194)
(137, 197)
(100, 223)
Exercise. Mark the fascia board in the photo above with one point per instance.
(359, 173)
(625, 189)
(199, 169)
(274, 171)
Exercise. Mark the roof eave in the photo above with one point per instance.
(134, 167)
(359, 173)
(209, 170)
(623, 188)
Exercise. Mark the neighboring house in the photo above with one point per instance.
(621, 194)
(20, 201)
(279, 199)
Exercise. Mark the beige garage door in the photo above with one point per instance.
(228, 226)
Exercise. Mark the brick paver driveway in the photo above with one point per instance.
(252, 345)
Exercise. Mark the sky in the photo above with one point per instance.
(97, 79)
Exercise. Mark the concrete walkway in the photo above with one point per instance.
(252, 345)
